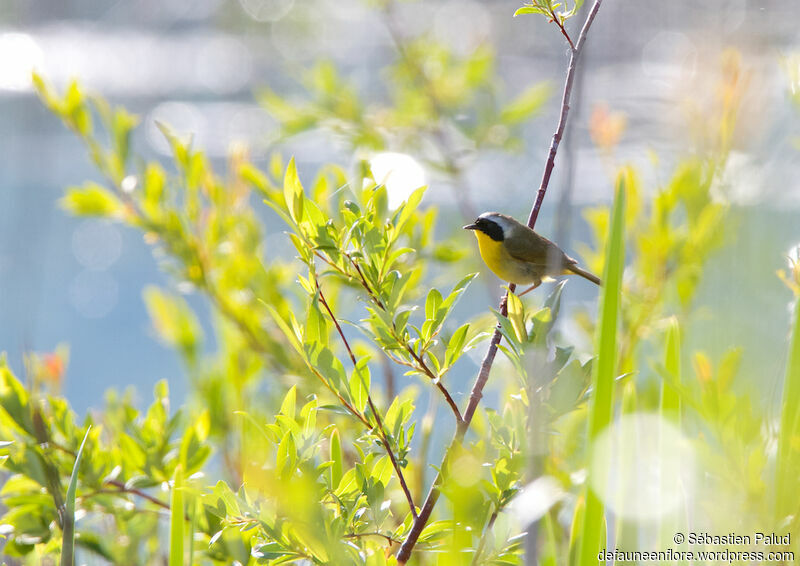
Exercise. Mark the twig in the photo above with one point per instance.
(461, 431)
(424, 367)
(121, 488)
(483, 375)
(381, 431)
(562, 120)
(345, 403)
(560, 25)
(482, 543)
(388, 376)
(421, 365)
(389, 539)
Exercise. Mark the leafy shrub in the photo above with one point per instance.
(320, 453)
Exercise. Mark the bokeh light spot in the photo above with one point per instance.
(642, 467)
(401, 174)
(93, 294)
(96, 244)
(20, 55)
(534, 500)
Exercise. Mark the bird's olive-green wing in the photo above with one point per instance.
(526, 245)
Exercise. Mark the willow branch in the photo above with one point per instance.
(560, 25)
(379, 422)
(123, 489)
(484, 535)
(420, 366)
(388, 538)
(439, 385)
(483, 374)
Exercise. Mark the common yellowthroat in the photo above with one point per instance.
(517, 254)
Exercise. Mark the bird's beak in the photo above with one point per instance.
(471, 227)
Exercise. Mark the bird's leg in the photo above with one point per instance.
(531, 288)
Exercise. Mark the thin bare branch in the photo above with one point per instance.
(389, 539)
(482, 543)
(439, 385)
(562, 119)
(420, 363)
(380, 428)
(123, 489)
(560, 25)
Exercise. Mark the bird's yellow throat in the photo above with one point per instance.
(496, 257)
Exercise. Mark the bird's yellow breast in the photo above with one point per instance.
(503, 264)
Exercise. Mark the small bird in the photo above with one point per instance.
(517, 254)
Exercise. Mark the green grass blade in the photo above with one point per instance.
(788, 457)
(192, 528)
(602, 404)
(176, 520)
(670, 399)
(68, 539)
(549, 556)
(670, 412)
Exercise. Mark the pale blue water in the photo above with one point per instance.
(197, 69)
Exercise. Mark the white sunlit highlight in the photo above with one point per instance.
(535, 499)
(642, 467)
(400, 173)
(793, 256)
(20, 55)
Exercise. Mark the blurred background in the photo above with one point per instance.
(646, 89)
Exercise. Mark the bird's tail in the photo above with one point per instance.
(585, 274)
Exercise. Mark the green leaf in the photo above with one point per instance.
(382, 471)
(455, 346)
(68, 538)
(458, 290)
(173, 320)
(602, 404)
(316, 323)
(289, 402)
(47, 94)
(359, 387)
(76, 111)
(287, 455)
(337, 458)
(516, 314)
(432, 303)
(788, 461)
(348, 484)
(529, 10)
(291, 332)
(670, 399)
(407, 209)
(14, 400)
(122, 125)
(526, 104)
(176, 519)
(91, 200)
(293, 192)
